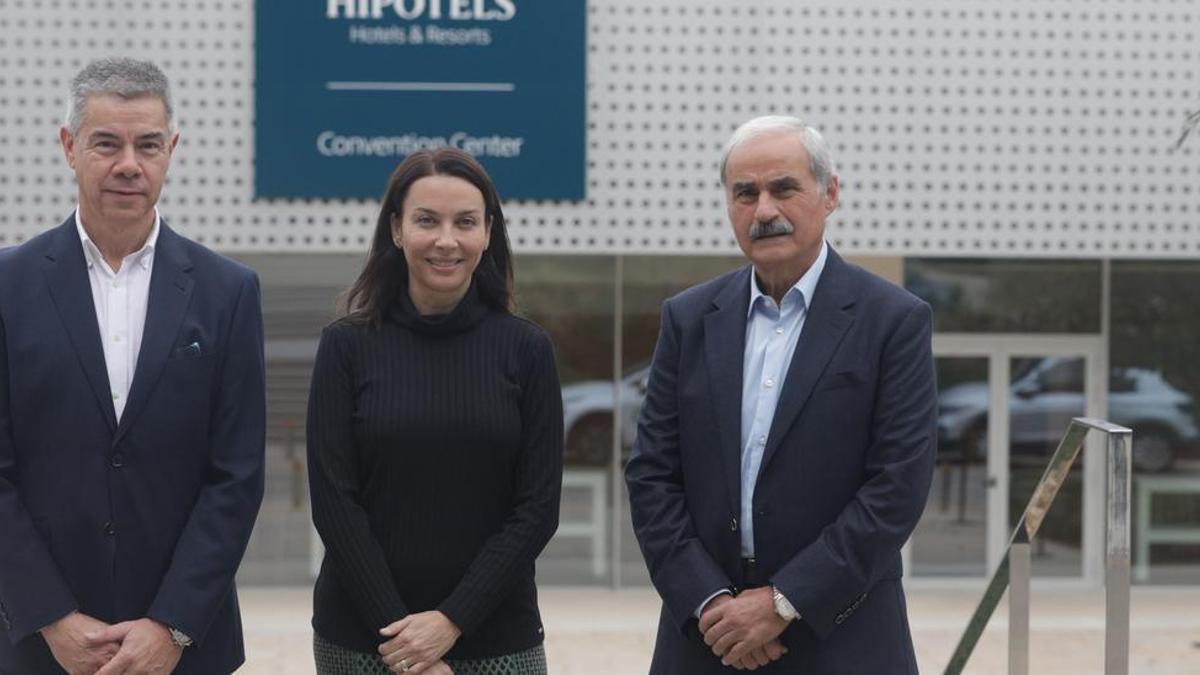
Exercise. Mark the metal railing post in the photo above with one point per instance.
(1015, 567)
(1019, 563)
(1116, 566)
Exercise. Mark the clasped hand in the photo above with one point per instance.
(418, 642)
(743, 631)
(84, 645)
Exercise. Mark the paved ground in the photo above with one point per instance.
(597, 632)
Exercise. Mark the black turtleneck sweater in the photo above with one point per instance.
(435, 466)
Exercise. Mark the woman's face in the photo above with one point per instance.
(443, 234)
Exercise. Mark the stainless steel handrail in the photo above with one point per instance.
(1013, 570)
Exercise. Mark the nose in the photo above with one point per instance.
(127, 163)
(766, 209)
(445, 238)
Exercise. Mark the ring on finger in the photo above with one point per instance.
(404, 665)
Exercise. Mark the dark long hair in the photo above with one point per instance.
(385, 273)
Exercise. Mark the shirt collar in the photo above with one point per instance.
(142, 256)
(806, 286)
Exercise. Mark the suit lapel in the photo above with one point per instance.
(829, 317)
(66, 275)
(724, 347)
(170, 292)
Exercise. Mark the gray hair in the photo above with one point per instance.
(820, 160)
(124, 77)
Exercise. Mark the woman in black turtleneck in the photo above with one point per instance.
(434, 443)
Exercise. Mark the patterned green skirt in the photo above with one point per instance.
(334, 660)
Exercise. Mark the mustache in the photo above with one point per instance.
(771, 228)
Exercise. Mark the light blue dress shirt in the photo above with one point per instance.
(771, 334)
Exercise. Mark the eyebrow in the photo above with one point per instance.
(783, 183)
(464, 212)
(101, 134)
(743, 185)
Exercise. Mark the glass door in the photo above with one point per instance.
(1004, 401)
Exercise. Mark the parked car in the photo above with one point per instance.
(1043, 400)
(588, 417)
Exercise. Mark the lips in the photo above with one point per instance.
(125, 193)
(769, 235)
(444, 264)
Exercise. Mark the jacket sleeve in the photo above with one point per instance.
(681, 568)
(33, 593)
(334, 484)
(827, 579)
(534, 517)
(212, 543)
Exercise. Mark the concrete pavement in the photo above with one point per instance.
(601, 632)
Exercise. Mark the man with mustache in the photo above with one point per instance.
(786, 443)
(132, 412)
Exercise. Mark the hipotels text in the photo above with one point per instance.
(454, 10)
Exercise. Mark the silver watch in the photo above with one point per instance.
(179, 638)
(783, 607)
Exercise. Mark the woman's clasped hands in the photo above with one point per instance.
(418, 642)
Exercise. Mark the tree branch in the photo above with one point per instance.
(1189, 124)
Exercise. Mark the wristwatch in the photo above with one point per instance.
(783, 607)
(179, 638)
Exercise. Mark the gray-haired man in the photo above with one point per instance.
(131, 413)
(786, 442)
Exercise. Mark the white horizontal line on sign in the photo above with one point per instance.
(420, 86)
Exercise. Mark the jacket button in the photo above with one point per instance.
(117, 461)
(733, 524)
(109, 529)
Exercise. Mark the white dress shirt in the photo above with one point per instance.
(120, 298)
(772, 331)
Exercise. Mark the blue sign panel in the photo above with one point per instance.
(347, 88)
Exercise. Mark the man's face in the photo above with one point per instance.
(120, 156)
(776, 206)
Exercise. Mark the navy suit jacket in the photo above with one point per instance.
(148, 517)
(844, 476)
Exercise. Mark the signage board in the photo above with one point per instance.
(345, 89)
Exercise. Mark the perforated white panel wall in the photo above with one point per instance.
(977, 127)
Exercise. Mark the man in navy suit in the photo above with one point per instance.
(132, 413)
(786, 443)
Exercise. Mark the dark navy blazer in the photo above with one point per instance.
(844, 477)
(149, 517)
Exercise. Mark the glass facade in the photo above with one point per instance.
(574, 299)
(1153, 389)
(951, 538)
(603, 315)
(1008, 296)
